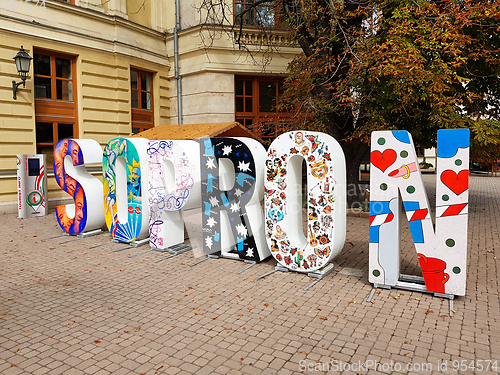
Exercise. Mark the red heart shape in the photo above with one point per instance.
(456, 183)
(383, 160)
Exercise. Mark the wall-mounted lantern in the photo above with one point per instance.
(23, 61)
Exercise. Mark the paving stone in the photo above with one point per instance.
(66, 308)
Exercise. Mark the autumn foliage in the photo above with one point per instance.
(414, 65)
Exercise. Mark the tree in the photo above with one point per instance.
(485, 147)
(417, 65)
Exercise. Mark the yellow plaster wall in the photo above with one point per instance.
(105, 48)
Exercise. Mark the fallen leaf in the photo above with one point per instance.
(13, 365)
(15, 351)
(295, 304)
(428, 312)
(160, 366)
(323, 345)
(250, 308)
(266, 304)
(335, 315)
(238, 296)
(406, 342)
(244, 328)
(323, 318)
(27, 332)
(240, 314)
(97, 341)
(137, 329)
(110, 308)
(215, 318)
(443, 315)
(73, 322)
(126, 331)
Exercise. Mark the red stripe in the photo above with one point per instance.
(372, 218)
(389, 217)
(454, 209)
(419, 214)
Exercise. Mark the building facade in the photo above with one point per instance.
(108, 68)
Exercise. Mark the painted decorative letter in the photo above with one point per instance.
(70, 157)
(125, 188)
(174, 184)
(395, 172)
(326, 198)
(232, 171)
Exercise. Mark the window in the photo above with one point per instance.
(256, 105)
(55, 104)
(262, 15)
(141, 90)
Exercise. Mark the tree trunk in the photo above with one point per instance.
(355, 151)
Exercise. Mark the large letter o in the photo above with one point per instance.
(326, 200)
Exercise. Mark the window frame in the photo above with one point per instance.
(139, 116)
(56, 111)
(277, 19)
(265, 124)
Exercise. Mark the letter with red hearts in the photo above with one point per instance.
(395, 174)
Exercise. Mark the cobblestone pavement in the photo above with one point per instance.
(67, 308)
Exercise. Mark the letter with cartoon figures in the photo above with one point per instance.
(326, 200)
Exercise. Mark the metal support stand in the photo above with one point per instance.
(251, 264)
(90, 233)
(138, 243)
(204, 259)
(415, 284)
(144, 252)
(121, 249)
(101, 244)
(371, 295)
(319, 274)
(175, 250)
(51, 238)
(74, 239)
(276, 269)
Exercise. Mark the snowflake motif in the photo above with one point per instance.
(214, 201)
(242, 230)
(208, 242)
(244, 167)
(211, 222)
(235, 207)
(210, 163)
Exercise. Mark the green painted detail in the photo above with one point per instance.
(456, 269)
(445, 197)
(404, 154)
(381, 141)
(376, 273)
(450, 242)
(410, 189)
(458, 162)
(383, 186)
